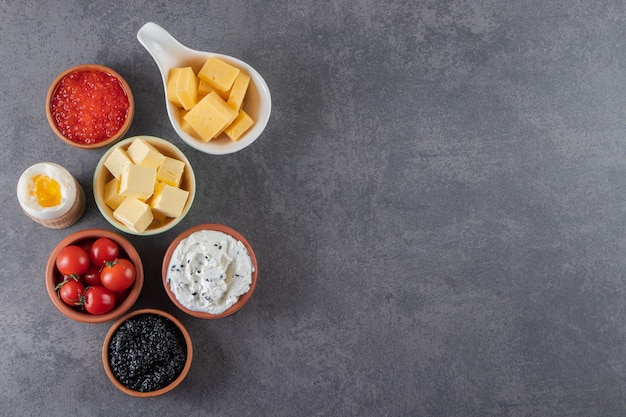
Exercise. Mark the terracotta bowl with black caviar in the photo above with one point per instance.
(123, 301)
(90, 106)
(147, 353)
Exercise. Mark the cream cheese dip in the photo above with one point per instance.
(209, 271)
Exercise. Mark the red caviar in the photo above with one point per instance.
(89, 106)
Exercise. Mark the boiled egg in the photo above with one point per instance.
(46, 191)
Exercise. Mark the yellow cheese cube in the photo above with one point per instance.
(238, 91)
(117, 162)
(134, 214)
(210, 116)
(169, 201)
(138, 182)
(239, 126)
(205, 88)
(171, 171)
(186, 127)
(184, 124)
(187, 87)
(144, 154)
(112, 197)
(219, 74)
(172, 79)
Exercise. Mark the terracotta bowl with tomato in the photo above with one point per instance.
(94, 276)
(90, 106)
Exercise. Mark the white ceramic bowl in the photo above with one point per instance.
(169, 53)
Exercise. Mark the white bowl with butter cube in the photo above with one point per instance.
(216, 103)
(144, 185)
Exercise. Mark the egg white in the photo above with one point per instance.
(29, 202)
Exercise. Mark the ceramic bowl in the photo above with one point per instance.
(136, 315)
(243, 299)
(103, 143)
(168, 53)
(257, 104)
(53, 276)
(102, 176)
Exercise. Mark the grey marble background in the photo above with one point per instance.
(437, 206)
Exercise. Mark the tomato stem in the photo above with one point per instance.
(110, 263)
(82, 299)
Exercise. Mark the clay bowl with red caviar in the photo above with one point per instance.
(90, 106)
(124, 300)
(243, 298)
(147, 353)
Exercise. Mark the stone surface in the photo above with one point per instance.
(437, 207)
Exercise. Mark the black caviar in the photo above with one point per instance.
(147, 352)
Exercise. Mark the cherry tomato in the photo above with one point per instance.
(92, 276)
(103, 250)
(71, 291)
(120, 296)
(85, 244)
(72, 260)
(98, 300)
(118, 275)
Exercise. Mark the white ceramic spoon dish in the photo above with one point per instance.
(168, 53)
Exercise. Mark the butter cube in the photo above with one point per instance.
(186, 87)
(239, 126)
(219, 74)
(138, 182)
(158, 216)
(169, 201)
(210, 116)
(172, 78)
(144, 154)
(112, 197)
(238, 91)
(171, 171)
(117, 162)
(134, 214)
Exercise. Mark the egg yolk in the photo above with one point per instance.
(46, 190)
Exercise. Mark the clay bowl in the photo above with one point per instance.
(243, 299)
(136, 315)
(116, 136)
(53, 276)
(102, 176)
